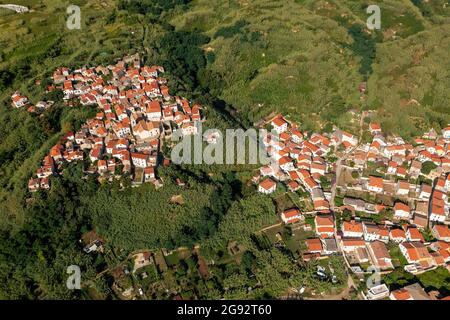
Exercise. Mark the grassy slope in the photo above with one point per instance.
(303, 59)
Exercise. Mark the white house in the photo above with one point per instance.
(352, 229)
(267, 186)
(291, 216)
(401, 211)
(373, 232)
(437, 214)
(446, 133)
(154, 111)
(188, 129)
(18, 100)
(146, 130)
(139, 159)
(441, 232)
(375, 184)
(279, 125)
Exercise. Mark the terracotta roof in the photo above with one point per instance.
(401, 206)
(324, 221)
(314, 244)
(376, 182)
(279, 121)
(401, 294)
(267, 184)
(352, 226)
(398, 233)
(442, 231)
(353, 243)
(289, 213)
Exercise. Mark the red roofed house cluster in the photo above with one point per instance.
(136, 112)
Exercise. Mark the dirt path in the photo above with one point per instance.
(343, 295)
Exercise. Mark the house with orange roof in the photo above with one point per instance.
(401, 172)
(415, 168)
(45, 183)
(374, 128)
(284, 136)
(279, 124)
(394, 150)
(425, 191)
(324, 225)
(352, 229)
(188, 129)
(321, 205)
(440, 185)
(374, 232)
(18, 100)
(400, 294)
(413, 234)
(122, 129)
(267, 186)
(102, 166)
(447, 183)
(347, 139)
(293, 186)
(149, 174)
(318, 168)
(296, 136)
(416, 253)
(375, 184)
(146, 130)
(34, 184)
(402, 188)
(437, 213)
(314, 245)
(350, 244)
(139, 159)
(411, 292)
(441, 232)
(154, 111)
(401, 211)
(446, 133)
(292, 215)
(397, 235)
(310, 184)
(267, 171)
(286, 163)
(96, 153)
(380, 255)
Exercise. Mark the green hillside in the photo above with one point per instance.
(242, 60)
(307, 58)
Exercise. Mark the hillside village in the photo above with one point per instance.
(366, 200)
(380, 197)
(136, 114)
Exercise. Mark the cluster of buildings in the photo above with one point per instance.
(416, 199)
(410, 292)
(18, 101)
(136, 114)
(415, 177)
(297, 162)
(367, 242)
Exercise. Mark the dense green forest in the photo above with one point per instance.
(242, 60)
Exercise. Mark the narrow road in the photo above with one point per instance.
(343, 158)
